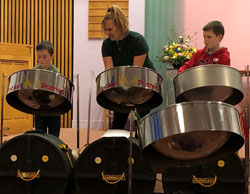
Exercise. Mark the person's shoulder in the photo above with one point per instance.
(223, 51)
(106, 41)
(54, 68)
(134, 34)
(202, 50)
(37, 67)
(199, 52)
(135, 37)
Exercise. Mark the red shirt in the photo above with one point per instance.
(201, 57)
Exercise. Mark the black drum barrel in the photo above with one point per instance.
(35, 163)
(226, 175)
(103, 168)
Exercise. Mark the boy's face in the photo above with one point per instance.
(211, 40)
(44, 58)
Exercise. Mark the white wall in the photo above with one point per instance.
(87, 58)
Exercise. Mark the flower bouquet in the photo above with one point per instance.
(178, 49)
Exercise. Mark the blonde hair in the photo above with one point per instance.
(120, 20)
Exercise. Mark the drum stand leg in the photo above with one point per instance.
(89, 107)
(130, 159)
(246, 113)
(77, 111)
(2, 103)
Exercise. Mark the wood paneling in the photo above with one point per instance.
(13, 58)
(28, 22)
(97, 10)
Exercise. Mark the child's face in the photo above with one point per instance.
(44, 58)
(211, 40)
(111, 30)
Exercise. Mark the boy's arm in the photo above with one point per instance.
(225, 60)
(188, 64)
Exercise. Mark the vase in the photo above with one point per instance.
(177, 66)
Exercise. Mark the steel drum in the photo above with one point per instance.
(40, 92)
(209, 82)
(126, 88)
(190, 133)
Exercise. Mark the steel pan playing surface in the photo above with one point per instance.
(190, 132)
(126, 88)
(209, 83)
(40, 92)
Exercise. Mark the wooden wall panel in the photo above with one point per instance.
(97, 10)
(28, 22)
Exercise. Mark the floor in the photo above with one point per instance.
(69, 137)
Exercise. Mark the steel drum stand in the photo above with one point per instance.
(2, 103)
(89, 106)
(246, 113)
(130, 158)
(132, 115)
(77, 111)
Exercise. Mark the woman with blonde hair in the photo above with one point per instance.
(122, 48)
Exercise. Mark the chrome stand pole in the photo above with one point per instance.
(246, 113)
(2, 108)
(77, 113)
(130, 159)
(89, 107)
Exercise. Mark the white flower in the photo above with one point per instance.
(166, 58)
(165, 48)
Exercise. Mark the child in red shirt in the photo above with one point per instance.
(212, 53)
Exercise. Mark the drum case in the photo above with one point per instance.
(229, 172)
(35, 164)
(103, 168)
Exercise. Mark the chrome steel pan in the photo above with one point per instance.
(40, 92)
(209, 83)
(190, 132)
(124, 88)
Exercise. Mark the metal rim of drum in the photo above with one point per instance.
(168, 126)
(40, 92)
(127, 88)
(209, 83)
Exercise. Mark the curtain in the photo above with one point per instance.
(160, 16)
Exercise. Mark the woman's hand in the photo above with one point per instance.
(108, 62)
(139, 60)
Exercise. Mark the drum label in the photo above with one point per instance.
(203, 180)
(27, 84)
(133, 82)
(52, 88)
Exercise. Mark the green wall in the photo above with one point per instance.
(160, 16)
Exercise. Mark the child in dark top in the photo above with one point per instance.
(45, 54)
(212, 53)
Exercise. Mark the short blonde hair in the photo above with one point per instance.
(120, 20)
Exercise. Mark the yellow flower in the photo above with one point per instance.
(178, 50)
